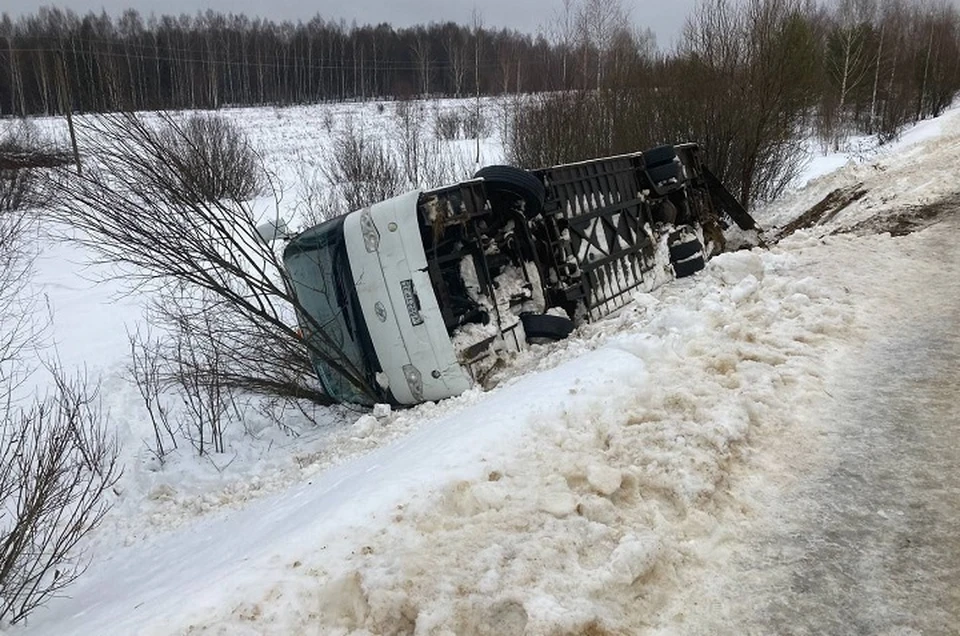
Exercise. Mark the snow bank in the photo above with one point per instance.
(787, 534)
(574, 498)
(585, 523)
(916, 170)
(565, 500)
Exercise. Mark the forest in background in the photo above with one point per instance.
(747, 79)
(209, 60)
(861, 51)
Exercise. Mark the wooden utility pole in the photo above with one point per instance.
(66, 104)
(477, 50)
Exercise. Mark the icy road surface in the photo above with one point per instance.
(865, 541)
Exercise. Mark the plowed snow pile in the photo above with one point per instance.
(570, 499)
(563, 500)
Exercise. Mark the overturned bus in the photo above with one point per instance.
(416, 298)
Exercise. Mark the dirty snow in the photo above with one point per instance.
(596, 483)
(916, 170)
(846, 522)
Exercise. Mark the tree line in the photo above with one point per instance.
(98, 63)
(750, 80)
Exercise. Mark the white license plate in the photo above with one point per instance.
(412, 302)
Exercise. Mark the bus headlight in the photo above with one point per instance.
(414, 381)
(371, 237)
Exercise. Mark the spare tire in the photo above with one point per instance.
(682, 251)
(659, 156)
(515, 184)
(546, 327)
(688, 267)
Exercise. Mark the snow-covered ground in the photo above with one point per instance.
(916, 171)
(845, 523)
(583, 495)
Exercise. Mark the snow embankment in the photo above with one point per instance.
(916, 171)
(846, 522)
(573, 499)
(565, 500)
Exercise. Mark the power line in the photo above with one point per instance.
(286, 61)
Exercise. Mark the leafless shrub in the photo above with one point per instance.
(201, 377)
(229, 348)
(18, 188)
(554, 128)
(426, 161)
(19, 327)
(24, 152)
(362, 169)
(146, 370)
(212, 158)
(474, 123)
(57, 465)
(447, 124)
(136, 212)
(327, 120)
(205, 355)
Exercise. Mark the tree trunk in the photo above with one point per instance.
(876, 81)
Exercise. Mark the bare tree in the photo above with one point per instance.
(477, 55)
(848, 56)
(455, 46)
(421, 52)
(563, 28)
(599, 21)
(138, 211)
(57, 466)
(878, 60)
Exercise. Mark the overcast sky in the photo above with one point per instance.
(665, 17)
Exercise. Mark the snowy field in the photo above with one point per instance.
(586, 494)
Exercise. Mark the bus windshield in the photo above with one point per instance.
(333, 330)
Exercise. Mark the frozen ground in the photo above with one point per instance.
(663, 471)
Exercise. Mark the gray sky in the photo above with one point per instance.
(665, 17)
